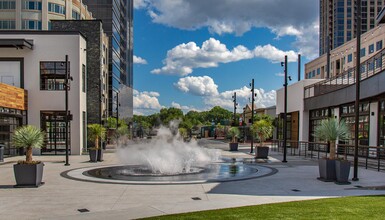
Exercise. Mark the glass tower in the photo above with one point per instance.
(117, 18)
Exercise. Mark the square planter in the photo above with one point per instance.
(327, 170)
(93, 155)
(262, 152)
(233, 146)
(100, 155)
(342, 171)
(28, 175)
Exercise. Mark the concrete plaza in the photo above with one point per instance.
(62, 198)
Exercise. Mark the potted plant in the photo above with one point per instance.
(28, 172)
(96, 133)
(330, 130)
(234, 133)
(263, 129)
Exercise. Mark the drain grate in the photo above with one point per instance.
(83, 210)
(296, 190)
(196, 198)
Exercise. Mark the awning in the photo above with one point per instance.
(16, 43)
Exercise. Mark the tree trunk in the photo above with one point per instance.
(332, 150)
(28, 155)
(97, 143)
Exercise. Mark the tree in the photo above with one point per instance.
(263, 129)
(168, 114)
(234, 133)
(331, 130)
(96, 133)
(218, 115)
(28, 136)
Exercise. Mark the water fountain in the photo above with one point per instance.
(166, 159)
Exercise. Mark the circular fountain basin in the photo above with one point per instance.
(135, 174)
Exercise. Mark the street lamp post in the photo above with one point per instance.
(66, 86)
(357, 101)
(244, 123)
(235, 108)
(252, 115)
(285, 113)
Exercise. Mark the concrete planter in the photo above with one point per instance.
(327, 170)
(1, 153)
(100, 155)
(233, 146)
(262, 152)
(342, 171)
(28, 175)
(93, 155)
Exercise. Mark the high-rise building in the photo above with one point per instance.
(37, 15)
(338, 24)
(117, 17)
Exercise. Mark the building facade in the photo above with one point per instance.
(37, 14)
(337, 21)
(29, 62)
(117, 17)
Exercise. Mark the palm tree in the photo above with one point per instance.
(96, 132)
(331, 130)
(263, 129)
(28, 136)
(234, 133)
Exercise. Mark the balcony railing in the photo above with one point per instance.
(370, 67)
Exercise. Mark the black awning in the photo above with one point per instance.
(16, 43)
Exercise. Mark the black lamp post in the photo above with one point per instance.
(235, 108)
(68, 78)
(357, 101)
(252, 115)
(285, 112)
(244, 123)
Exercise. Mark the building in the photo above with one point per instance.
(117, 17)
(342, 58)
(29, 63)
(337, 21)
(97, 65)
(37, 15)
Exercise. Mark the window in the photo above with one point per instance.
(371, 48)
(31, 25)
(350, 58)
(84, 78)
(52, 75)
(7, 24)
(32, 5)
(379, 45)
(363, 50)
(56, 8)
(75, 15)
(5, 5)
(318, 71)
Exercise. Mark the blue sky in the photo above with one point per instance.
(194, 54)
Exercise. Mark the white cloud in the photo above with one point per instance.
(201, 85)
(139, 60)
(140, 4)
(282, 17)
(225, 100)
(280, 74)
(146, 100)
(182, 59)
(184, 108)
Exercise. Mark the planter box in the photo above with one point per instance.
(233, 146)
(327, 170)
(1, 153)
(93, 155)
(342, 171)
(100, 155)
(262, 152)
(28, 175)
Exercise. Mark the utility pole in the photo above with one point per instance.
(252, 115)
(67, 86)
(235, 108)
(285, 114)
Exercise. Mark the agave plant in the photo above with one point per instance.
(263, 129)
(28, 136)
(96, 132)
(331, 130)
(234, 133)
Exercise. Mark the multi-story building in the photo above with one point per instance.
(338, 24)
(28, 63)
(117, 17)
(37, 15)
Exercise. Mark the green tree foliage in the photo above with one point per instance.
(218, 115)
(28, 136)
(263, 129)
(96, 133)
(168, 114)
(234, 133)
(331, 130)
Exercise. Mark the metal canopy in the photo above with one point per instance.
(16, 43)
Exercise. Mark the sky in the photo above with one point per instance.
(194, 54)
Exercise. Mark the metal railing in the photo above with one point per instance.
(370, 67)
(370, 157)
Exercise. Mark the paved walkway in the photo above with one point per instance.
(61, 198)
